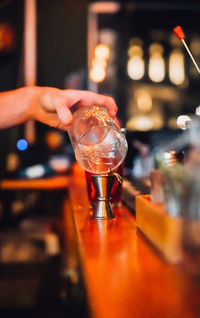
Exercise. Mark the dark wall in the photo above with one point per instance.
(62, 33)
(62, 41)
(11, 12)
(62, 44)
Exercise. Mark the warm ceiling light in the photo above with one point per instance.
(135, 67)
(156, 63)
(102, 51)
(176, 67)
(97, 74)
(99, 63)
(156, 48)
(156, 67)
(135, 50)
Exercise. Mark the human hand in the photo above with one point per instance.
(53, 106)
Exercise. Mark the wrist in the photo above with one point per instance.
(30, 96)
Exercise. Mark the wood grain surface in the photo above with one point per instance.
(124, 275)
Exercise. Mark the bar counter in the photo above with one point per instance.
(123, 274)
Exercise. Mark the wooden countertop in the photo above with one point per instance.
(56, 182)
(124, 276)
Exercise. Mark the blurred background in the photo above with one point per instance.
(125, 49)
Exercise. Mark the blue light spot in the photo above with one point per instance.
(22, 144)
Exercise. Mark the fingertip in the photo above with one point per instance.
(113, 112)
(64, 115)
(68, 122)
(112, 106)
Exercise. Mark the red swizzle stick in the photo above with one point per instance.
(180, 34)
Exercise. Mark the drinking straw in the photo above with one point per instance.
(180, 34)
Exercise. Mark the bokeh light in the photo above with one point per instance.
(102, 51)
(97, 74)
(135, 68)
(22, 144)
(176, 67)
(183, 121)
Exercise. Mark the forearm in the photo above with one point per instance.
(14, 107)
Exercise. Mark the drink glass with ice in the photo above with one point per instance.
(99, 145)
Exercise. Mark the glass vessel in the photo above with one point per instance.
(99, 145)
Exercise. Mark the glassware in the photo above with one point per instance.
(99, 145)
(191, 213)
(168, 182)
(157, 183)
